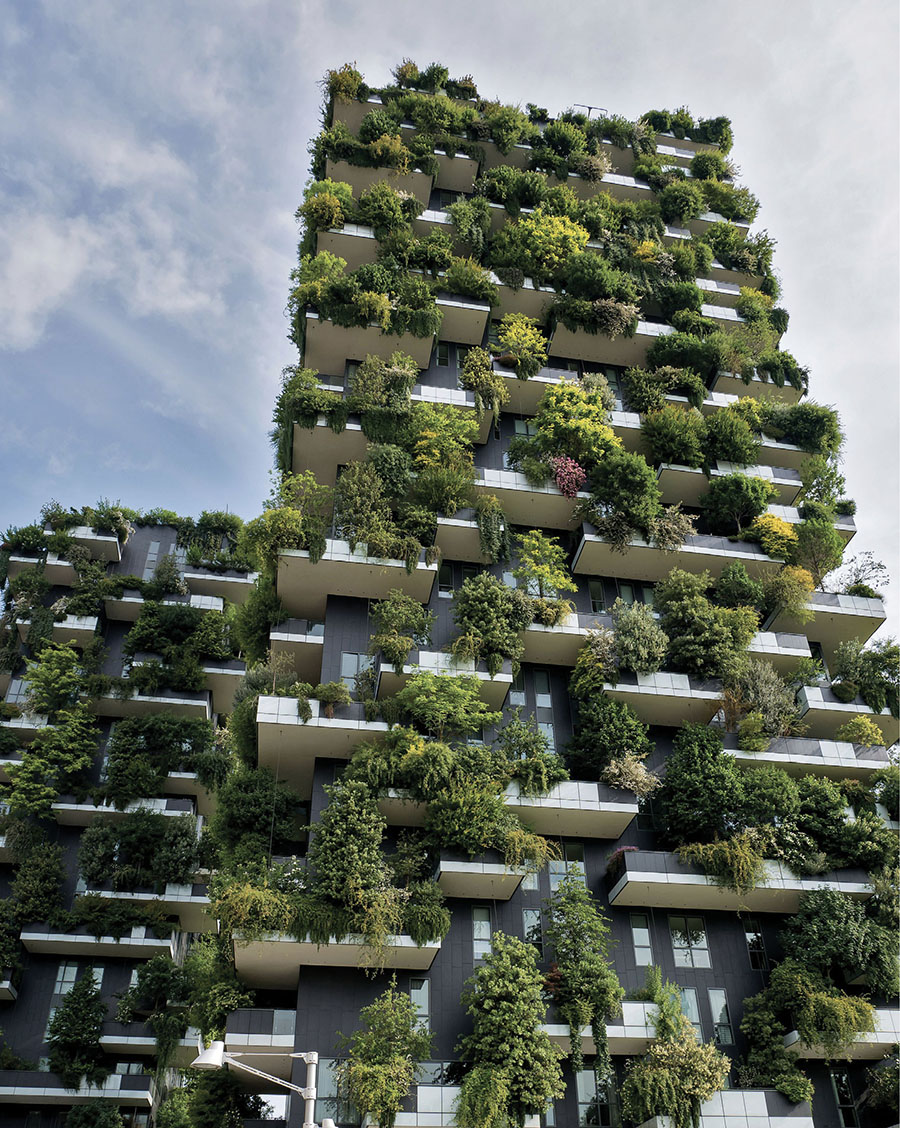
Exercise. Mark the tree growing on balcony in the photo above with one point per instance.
(74, 1035)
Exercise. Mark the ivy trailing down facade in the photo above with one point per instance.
(528, 756)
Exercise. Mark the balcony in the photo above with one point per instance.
(747, 1108)
(806, 756)
(689, 485)
(190, 903)
(524, 395)
(836, 618)
(136, 1039)
(59, 572)
(231, 585)
(31, 1089)
(8, 993)
(266, 1033)
(845, 525)
(138, 943)
(275, 961)
(642, 561)
(458, 539)
(596, 347)
(821, 711)
(354, 242)
(322, 450)
(530, 299)
(575, 807)
(727, 294)
(781, 650)
(668, 699)
(303, 640)
(654, 879)
(69, 813)
(127, 607)
(79, 630)
(290, 748)
(542, 506)
(465, 319)
(329, 346)
(362, 177)
(867, 1046)
(181, 703)
(558, 645)
(492, 690)
(188, 783)
(633, 1033)
(734, 385)
(101, 546)
(304, 587)
(223, 676)
(478, 880)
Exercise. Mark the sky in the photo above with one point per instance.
(152, 157)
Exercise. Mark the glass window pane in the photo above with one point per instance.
(689, 1005)
(443, 355)
(626, 593)
(546, 730)
(598, 600)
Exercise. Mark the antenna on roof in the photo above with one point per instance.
(583, 106)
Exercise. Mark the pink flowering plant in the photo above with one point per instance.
(568, 474)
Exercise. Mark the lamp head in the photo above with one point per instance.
(213, 1057)
(327, 1122)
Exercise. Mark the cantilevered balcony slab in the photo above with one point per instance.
(32, 1089)
(542, 507)
(525, 395)
(188, 784)
(330, 346)
(491, 690)
(746, 1108)
(824, 714)
(668, 699)
(689, 485)
(136, 1039)
(231, 585)
(781, 650)
(24, 726)
(266, 1033)
(181, 703)
(835, 619)
(362, 177)
(101, 546)
(127, 607)
(290, 747)
(459, 398)
(354, 242)
(222, 679)
(69, 813)
(574, 807)
(304, 587)
(276, 959)
(8, 993)
(191, 907)
(596, 347)
(79, 630)
(558, 645)
(633, 1033)
(479, 880)
(654, 879)
(456, 173)
(626, 426)
(719, 291)
(866, 1046)
(797, 756)
(303, 640)
(530, 299)
(59, 572)
(756, 387)
(137, 943)
(319, 449)
(595, 556)
(465, 319)
(844, 525)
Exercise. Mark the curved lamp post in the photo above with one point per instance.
(215, 1056)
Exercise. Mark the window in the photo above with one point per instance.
(517, 690)
(446, 198)
(481, 931)
(689, 943)
(351, 666)
(525, 427)
(445, 581)
(756, 947)
(595, 1100)
(129, 1068)
(690, 1008)
(640, 938)
(69, 973)
(646, 819)
(420, 995)
(542, 698)
(545, 728)
(350, 373)
(626, 593)
(843, 1096)
(573, 366)
(531, 929)
(571, 864)
(470, 571)
(443, 355)
(598, 599)
(462, 351)
(721, 1016)
(529, 882)
(329, 1102)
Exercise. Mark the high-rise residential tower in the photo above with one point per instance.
(528, 757)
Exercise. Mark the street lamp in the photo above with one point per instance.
(215, 1056)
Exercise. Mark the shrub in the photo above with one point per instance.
(702, 788)
(623, 483)
(737, 863)
(734, 500)
(755, 687)
(73, 1035)
(478, 376)
(676, 296)
(819, 548)
(673, 1079)
(777, 538)
(606, 730)
(522, 344)
(681, 201)
(708, 164)
(542, 564)
(734, 588)
(401, 623)
(573, 420)
(861, 730)
(704, 639)
(703, 355)
(441, 703)
(641, 644)
(143, 848)
(629, 772)
(675, 435)
(730, 438)
(646, 391)
(489, 617)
